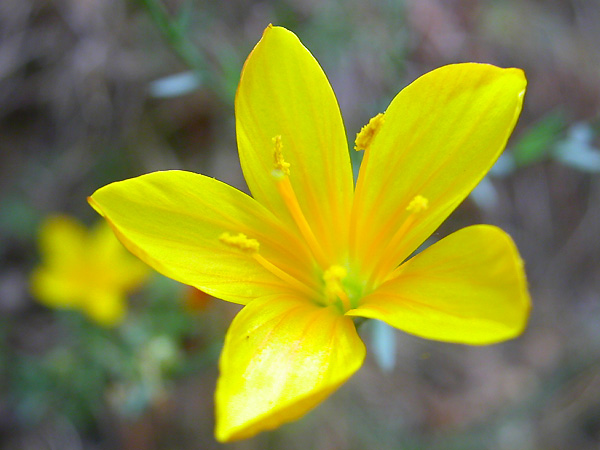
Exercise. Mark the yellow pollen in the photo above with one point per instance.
(333, 285)
(281, 167)
(418, 204)
(367, 133)
(241, 242)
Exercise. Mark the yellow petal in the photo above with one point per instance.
(440, 136)
(468, 288)
(173, 220)
(55, 288)
(106, 308)
(284, 92)
(62, 241)
(282, 357)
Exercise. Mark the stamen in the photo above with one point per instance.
(363, 141)
(367, 133)
(251, 247)
(382, 271)
(286, 190)
(333, 286)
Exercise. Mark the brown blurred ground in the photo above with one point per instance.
(76, 113)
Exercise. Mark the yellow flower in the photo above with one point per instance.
(310, 251)
(85, 269)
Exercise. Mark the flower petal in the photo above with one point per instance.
(62, 240)
(468, 288)
(284, 92)
(55, 288)
(173, 221)
(105, 307)
(439, 137)
(281, 358)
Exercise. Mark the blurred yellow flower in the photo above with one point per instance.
(83, 269)
(309, 251)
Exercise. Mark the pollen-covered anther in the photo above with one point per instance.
(241, 242)
(281, 166)
(418, 204)
(367, 133)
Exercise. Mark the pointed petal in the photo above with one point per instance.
(282, 357)
(439, 137)
(283, 91)
(173, 220)
(468, 288)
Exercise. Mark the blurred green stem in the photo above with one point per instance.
(175, 31)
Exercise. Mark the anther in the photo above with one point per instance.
(367, 133)
(418, 204)
(281, 166)
(241, 242)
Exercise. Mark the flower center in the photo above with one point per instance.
(337, 289)
(341, 289)
(335, 286)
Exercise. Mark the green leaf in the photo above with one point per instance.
(537, 142)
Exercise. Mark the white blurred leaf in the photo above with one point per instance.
(174, 85)
(383, 339)
(485, 195)
(577, 150)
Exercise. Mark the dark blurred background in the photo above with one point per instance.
(94, 91)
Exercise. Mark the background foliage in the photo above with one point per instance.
(96, 91)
